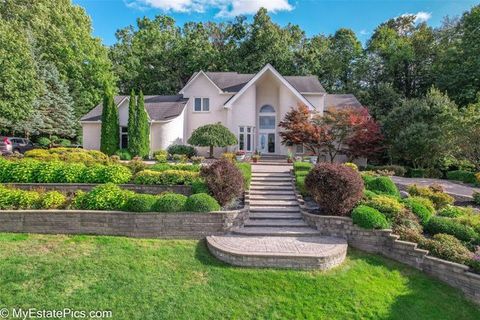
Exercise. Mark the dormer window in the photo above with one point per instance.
(201, 105)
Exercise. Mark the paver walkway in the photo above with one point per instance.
(275, 235)
(451, 187)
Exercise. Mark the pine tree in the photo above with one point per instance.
(143, 127)
(110, 138)
(132, 124)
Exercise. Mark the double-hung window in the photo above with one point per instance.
(201, 105)
(245, 138)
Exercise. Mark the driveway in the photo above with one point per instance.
(457, 189)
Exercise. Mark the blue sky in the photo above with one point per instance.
(313, 16)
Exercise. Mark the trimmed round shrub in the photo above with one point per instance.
(170, 202)
(78, 201)
(188, 151)
(161, 156)
(387, 205)
(199, 186)
(367, 194)
(447, 247)
(8, 198)
(26, 199)
(64, 143)
(302, 166)
(439, 199)
(336, 188)
(369, 218)
(44, 142)
(452, 211)
(451, 227)
(351, 165)
(117, 174)
(105, 197)
(367, 177)
(224, 180)
(382, 185)
(419, 209)
(140, 203)
(201, 202)
(427, 203)
(52, 200)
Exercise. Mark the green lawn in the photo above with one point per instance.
(163, 279)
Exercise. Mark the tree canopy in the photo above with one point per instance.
(212, 135)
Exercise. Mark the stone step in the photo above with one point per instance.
(271, 174)
(273, 163)
(275, 223)
(275, 187)
(276, 231)
(275, 215)
(272, 179)
(272, 192)
(254, 209)
(320, 253)
(273, 183)
(269, 196)
(274, 203)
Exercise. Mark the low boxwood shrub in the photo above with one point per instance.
(452, 211)
(52, 200)
(427, 203)
(201, 202)
(369, 218)
(48, 172)
(382, 185)
(105, 197)
(224, 180)
(451, 227)
(367, 194)
(167, 177)
(387, 205)
(302, 166)
(22, 171)
(181, 149)
(199, 186)
(71, 172)
(72, 155)
(140, 203)
(300, 184)
(117, 174)
(421, 211)
(336, 188)
(123, 154)
(170, 202)
(26, 199)
(447, 247)
(462, 175)
(161, 156)
(438, 198)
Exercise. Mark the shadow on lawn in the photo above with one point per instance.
(203, 255)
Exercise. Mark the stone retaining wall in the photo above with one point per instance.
(184, 225)
(387, 244)
(72, 187)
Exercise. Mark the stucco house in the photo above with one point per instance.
(250, 105)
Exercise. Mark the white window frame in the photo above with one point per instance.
(203, 105)
(245, 139)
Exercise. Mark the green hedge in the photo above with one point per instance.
(452, 227)
(423, 212)
(72, 155)
(246, 169)
(167, 177)
(177, 166)
(462, 175)
(33, 171)
(19, 199)
(302, 166)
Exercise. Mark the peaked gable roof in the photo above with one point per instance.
(282, 79)
(159, 108)
(233, 82)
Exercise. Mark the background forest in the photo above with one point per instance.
(420, 83)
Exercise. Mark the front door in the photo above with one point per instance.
(266, 142)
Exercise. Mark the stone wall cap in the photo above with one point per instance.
(449, 263)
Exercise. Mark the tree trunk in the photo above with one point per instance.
(211, 152)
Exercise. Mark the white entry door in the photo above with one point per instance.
(266, 142)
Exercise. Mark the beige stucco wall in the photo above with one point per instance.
(318, 101)
(91, 135)
(164, 134)
(123, 115)
(243, 113)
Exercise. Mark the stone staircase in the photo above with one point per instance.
(275, 235)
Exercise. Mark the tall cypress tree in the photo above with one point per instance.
(132, 124)
(143, 128)
(110, 138)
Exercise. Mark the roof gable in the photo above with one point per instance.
(269, 67)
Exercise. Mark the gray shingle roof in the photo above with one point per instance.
(158, 107)
(341, 101)
(234, 82)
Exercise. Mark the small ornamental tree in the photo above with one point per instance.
(335, 187)
(224, 180)
(132, 124)
(143, 127)
(212, 135)
(110, 134)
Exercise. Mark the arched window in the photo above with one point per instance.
(267, 109)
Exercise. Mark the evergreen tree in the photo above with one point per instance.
(143, 128)
(132, 124)
(110, 138)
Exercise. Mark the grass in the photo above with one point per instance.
(166, 279)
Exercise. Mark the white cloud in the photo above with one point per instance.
(420, 16)
(226, 8)
(364, 32)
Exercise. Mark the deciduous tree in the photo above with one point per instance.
(212, 135)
